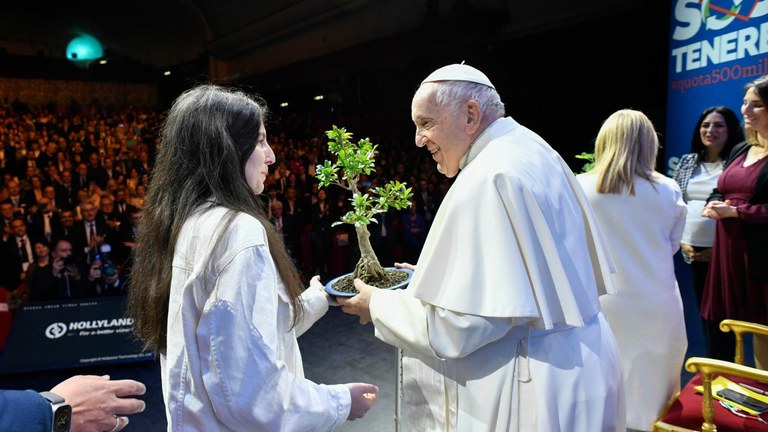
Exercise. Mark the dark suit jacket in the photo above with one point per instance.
(36, 226)
(61, 233)
(10, 262)
(45, 160)
(11, 164)
(5, 223)
(120, 252)
(63, 197)
(80, 182)
(66, 198)
(29, 198)
(124, 216)
(46, 286)
(24, 410)
(98, 175)
(80, 238)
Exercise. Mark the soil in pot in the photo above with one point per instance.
(391, 278)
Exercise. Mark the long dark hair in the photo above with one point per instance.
(735, 132)
(206, 139)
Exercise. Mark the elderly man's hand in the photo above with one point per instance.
(100, 404)
(359, 304)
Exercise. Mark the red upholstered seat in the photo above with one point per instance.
(692, 411)
(685, 411)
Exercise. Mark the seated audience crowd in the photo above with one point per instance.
(74, 179)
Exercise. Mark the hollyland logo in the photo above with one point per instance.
(90, 328)
(56, 330)
(720, 31)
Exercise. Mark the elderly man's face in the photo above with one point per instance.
(88, 211)
(439, 130)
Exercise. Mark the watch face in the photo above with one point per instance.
(61, 419)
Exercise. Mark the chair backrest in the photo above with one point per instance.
(739, 328)
(681, 408)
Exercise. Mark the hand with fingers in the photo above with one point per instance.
(100, 404)
(363, 397)
(719, 210)
(359, 304)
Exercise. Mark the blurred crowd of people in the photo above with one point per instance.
(74, 180)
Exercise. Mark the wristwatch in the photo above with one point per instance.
(62, 412)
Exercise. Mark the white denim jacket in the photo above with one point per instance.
(233, 362)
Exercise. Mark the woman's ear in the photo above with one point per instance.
(473, 116)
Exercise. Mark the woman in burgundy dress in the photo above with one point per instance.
(737, 283)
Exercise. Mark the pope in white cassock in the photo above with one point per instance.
(500, 327)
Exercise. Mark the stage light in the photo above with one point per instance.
(84, 49)
(319, 97)
(283, 104)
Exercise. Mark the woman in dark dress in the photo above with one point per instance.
(737, 283)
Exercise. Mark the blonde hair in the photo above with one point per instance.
(625, 148)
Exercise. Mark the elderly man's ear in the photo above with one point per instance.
(474, 116)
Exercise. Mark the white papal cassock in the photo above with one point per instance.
(500, 326)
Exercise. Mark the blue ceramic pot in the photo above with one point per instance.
(333, 292)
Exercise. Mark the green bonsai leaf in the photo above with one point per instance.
(394, 194)
(590, 158)
(327, 174)
(360, 201)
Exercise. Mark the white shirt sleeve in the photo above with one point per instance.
(409, 323)
(315, 306)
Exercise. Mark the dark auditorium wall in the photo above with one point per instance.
(560, 82)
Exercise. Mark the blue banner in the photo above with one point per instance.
(68, 334)
(716, 47)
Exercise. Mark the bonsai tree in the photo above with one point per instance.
(353, 160)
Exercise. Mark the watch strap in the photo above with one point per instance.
(61, 411)
(53, 398)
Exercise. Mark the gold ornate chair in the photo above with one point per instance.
(691, 411)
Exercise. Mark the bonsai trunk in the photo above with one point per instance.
(368, 268)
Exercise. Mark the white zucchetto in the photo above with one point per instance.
(459, 72)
